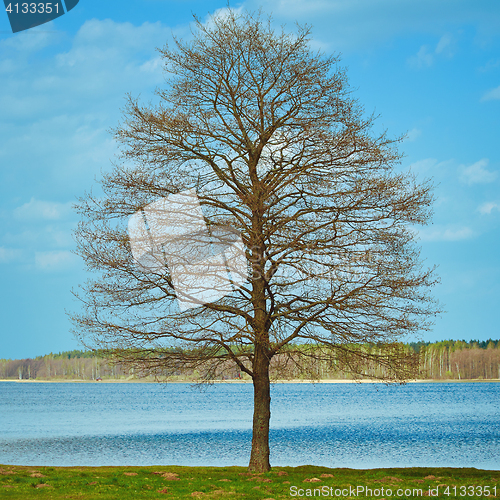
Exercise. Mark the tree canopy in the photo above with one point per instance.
(270, 136)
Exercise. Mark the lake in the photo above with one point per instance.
(335, 425)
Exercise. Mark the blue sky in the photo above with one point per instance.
(431, 69)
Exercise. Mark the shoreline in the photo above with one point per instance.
(292, 381)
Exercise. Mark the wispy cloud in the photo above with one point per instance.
(39, 235)
(490, 65)
(446, 233)
(39, 209)
(444, 45)
(8, 255)
(426, 55)
(222, 13)
(55, 260)
(431, 166)
(425, 164)
(72, 97)
(363, 23)
(413, 134)
(423, 58)
(492, 94)
(488, 207)
(477, 173)
(34, 40)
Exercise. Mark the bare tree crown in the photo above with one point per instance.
(268, 133)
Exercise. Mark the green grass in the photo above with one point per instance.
(127, 483)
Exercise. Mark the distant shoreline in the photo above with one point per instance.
(293, 381)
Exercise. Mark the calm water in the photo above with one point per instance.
(336, 425)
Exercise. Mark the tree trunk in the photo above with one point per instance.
(259, 458)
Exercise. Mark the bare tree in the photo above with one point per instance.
(268, 134)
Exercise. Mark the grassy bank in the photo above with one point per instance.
(127, 483)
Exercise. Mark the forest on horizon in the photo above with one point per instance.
(445, 360)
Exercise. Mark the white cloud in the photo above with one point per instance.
(488, 207)
(124, 38)
(444, 45)
(446, 233)
(352, 24)
(430, 166)
(492, 64)
(491, 95)
(32, 40)
(55, 260)
(55, 122)
(425, 164)
(477, 173)
(297, 7)
(423, 59)
(8, 255)
(426, 55)
(46, 210)
(413, 134)
(222, 13)
(103, 61)
(152, 66)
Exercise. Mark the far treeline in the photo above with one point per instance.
(447, 360)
